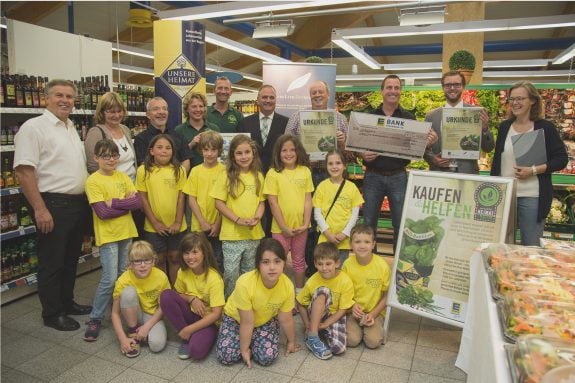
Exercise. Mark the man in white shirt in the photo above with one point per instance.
(453, 84)
(50, 164)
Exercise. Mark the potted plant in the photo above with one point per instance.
(464, 62)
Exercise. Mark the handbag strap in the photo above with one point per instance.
(335, 198)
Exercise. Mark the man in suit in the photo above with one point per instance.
(265, 127)
(453, 84)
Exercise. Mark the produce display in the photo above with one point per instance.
(534, 356)
(523, 314)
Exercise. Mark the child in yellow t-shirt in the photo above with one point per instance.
(137, 302)
(371, 277)
(195, 304)
(239, 198)
(112, 196)
(160, 180)
(205, 216)
(323, 303)
(336, 219)
(261, 302)
(288, 187)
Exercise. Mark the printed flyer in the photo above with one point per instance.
(317, 132)
(445, 217)
(461, 133)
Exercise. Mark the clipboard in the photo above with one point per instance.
(529, 148)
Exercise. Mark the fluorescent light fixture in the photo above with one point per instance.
(421, 15)
(232, 45)
(380, 77)
(235, 8)
(132, 51)
(355, 51)
(527, 23)
(247, 89)
(269, 29)
(526, 74)
(515, 63)
(565, 55)
(215, 68)
(412, 66)
(132, 69)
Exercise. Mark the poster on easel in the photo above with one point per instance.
(445, 217)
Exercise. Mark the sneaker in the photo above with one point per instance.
(183, 350)
(318, 348)
(135, 351)
(92, 330)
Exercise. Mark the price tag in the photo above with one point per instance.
(4, 287)
(31, 279)
(13, 191)
(21, 230)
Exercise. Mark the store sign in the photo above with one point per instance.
(179, 63)
(445, 217)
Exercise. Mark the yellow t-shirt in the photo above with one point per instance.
(250, 294)
(199, 184)
(163, 191)
(341, 289)
(290, 187)
(340, 214)
(369, 281)
(209, 288)
(100, 188)
(149, 288)
(245, 205)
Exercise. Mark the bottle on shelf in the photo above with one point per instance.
(10, 91)
(8, 173)
(27, 86)
(2, 88)
(24, 217)
(41, 90)
(20, 103)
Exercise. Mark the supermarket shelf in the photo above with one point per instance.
(80, 112)
(18, 232)
(10, 191)
(32, 279)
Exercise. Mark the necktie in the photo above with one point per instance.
(265, 128)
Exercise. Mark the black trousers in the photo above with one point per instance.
(59, 250)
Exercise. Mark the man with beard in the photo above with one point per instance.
(453, 84)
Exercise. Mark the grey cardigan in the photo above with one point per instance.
(94, 135)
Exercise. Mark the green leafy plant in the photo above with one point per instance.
(421, 241)
(314, 59)
(417, 296)
(462, 60)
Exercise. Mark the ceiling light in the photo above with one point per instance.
(412, 66)
(565, 55)
(527, 74)
(248, 76)
(278, 28)
(232, 45)
(421, 15)
(515, 63)
(459, 27)
(355, 51)
(132, 51)
(132, 69)
(234, 8)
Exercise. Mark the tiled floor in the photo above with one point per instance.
(418, 350)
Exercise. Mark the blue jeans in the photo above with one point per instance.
(375, 188)
(531, 230)
(114, 260)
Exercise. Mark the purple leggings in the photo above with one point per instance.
(178, 312)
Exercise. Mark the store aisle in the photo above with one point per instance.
(418, 351)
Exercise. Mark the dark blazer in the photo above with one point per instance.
(556, 160)
(251, 124)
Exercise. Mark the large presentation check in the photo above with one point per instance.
(388, 136)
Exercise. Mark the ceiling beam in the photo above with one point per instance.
(31, 11)
(560, 32)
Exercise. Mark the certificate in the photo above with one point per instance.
(228, 137)
(388, 136)
(317, 132)
(461, 133)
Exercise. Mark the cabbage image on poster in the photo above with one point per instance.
(445, 217)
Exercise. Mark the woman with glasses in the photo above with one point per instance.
(534, 187)
(110, 112)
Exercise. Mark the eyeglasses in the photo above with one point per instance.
(107, 157)
(139, 262)
(516, 99)
(452, 85)
(110, 111)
